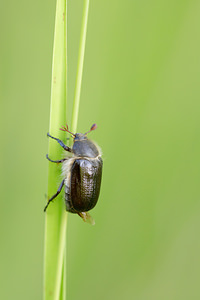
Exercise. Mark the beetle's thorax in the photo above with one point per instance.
(83, 147)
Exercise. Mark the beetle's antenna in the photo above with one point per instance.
(93, 127)
(65, 128)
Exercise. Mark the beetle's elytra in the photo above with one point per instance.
(82, 174)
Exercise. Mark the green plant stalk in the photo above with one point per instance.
(57, 119)
(53, 292)
(74, 123)
(79, 74)
(75, 111)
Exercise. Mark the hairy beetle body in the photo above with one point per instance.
(82, 175)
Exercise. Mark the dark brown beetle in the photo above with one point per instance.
(82, 174)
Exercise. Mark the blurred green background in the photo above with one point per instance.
(141, 87)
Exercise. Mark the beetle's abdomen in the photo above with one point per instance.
(85, 183)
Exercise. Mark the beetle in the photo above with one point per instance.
(82, 174)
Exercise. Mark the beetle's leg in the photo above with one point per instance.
(87, 218)
(55, 195)
(55, 161)
(61, 143)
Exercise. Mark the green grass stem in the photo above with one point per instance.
(74, 120)
(54, 213)
(79, 74)
(56, 219)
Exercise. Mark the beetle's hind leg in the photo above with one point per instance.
(55, 195)
(56, 161)
(86, 217)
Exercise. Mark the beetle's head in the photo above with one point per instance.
(79, 136)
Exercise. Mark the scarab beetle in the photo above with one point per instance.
(82, 174)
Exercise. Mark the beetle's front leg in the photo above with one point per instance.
(60, 143)
(55, 195)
